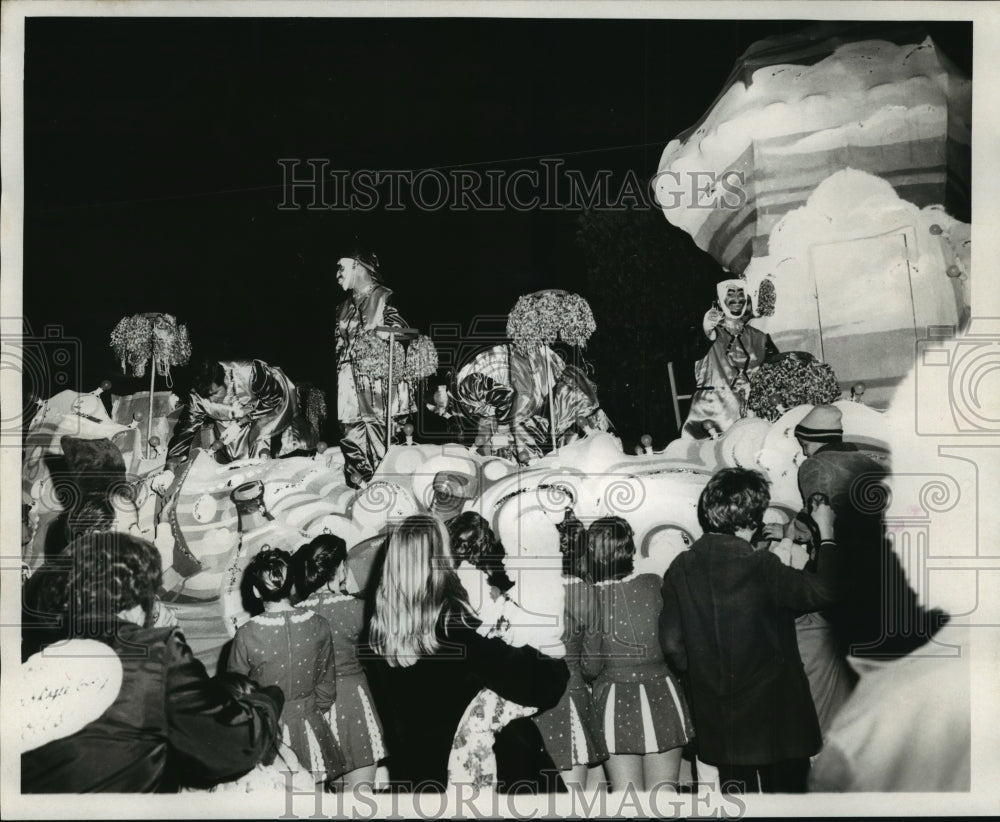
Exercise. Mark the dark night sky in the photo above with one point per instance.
(152, 182)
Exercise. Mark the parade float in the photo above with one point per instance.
(853, 152)
(832, 173)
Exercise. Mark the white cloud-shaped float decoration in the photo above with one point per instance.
(898, 111)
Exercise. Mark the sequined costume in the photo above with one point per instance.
(507, 388)
(731, 350)
(723, 380)
(361, 401)
(260, 405)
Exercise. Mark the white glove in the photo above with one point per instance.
(712, 318)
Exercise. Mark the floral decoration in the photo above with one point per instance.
(370, 356)
(789, 381)
(766, 298)
(315, 402)
(138, 338)
(546, 316)
(421, 359)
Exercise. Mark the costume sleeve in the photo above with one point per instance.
(698, 344)
(213, 737)
(479, 394)
(591, 659)
(671, 637)
(523, 675)
(770, 349)
(326, 688)
(267, 389)
(804, 590)
(191, 419)
(391, 316)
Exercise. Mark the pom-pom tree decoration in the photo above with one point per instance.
(370, 355)
(141, 337)
(766, 298)
(544, 317)
(792, 380)
(152, 339)
(421, 359)
(375, 355)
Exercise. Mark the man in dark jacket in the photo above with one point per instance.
(880, 616)
(728, 627)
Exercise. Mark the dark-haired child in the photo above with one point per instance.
(293, 649)
(570, 728)
(640, 706)
(321, 585)
(728, 624)
(473, 541)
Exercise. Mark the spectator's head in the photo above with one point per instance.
(734, 500)
(113, 575)
(322, 562)
(418, 582)
(268, 578)
(573, 546)
(610, 549)
(94, 513)
(819, 427)
(210, 381)
(472, 539)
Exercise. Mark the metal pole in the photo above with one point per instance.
(673, 393)
(552, 409)
(394, 333)
(149, 415)
(388, 401)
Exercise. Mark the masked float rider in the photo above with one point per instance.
(361, 401)
(505, 389)
(735, 349)
(238, 409)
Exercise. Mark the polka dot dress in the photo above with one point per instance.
(639, 704)
(294, 650)
(352, 717)
(570, 729)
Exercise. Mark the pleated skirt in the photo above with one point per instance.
(307, 732)
(570, 730)
(355, 724)
(641, 710)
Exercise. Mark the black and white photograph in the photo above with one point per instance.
(498, 410)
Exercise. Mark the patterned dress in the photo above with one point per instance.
(570, 729)
(352, 717)
(639, 704)
(294, 650)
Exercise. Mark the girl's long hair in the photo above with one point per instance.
(418, 583)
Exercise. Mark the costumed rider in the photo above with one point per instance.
(361, 400)
(735, 349)
(238, 409)
(507, 393)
